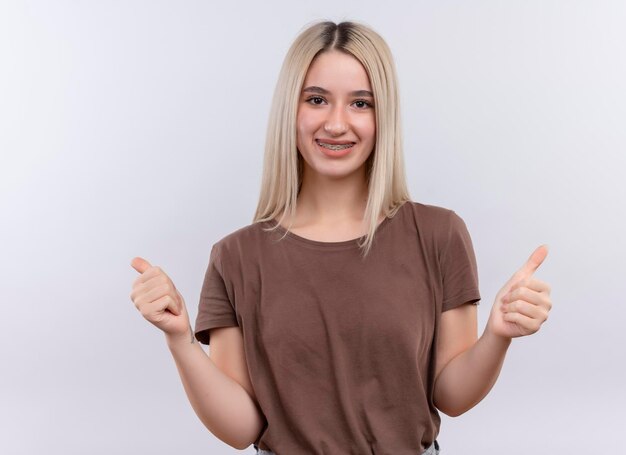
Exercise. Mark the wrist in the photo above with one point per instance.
(178, 339)
(494, 338)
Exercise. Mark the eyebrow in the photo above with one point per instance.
(323, 91)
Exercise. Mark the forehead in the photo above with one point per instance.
(337, 70)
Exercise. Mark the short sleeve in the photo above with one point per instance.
(215, 308)
(458, 266)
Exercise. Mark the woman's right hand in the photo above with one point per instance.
(158, 300)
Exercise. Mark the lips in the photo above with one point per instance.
(334, 145)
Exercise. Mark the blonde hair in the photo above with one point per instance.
(282, 168)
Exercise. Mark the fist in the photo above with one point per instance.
(158, 300)
(523, 303)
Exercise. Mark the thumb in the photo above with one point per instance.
(531, 265)
(181, 302)
(140, 264)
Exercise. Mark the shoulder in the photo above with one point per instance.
(240, 241)
(434, 216)
(438, 226)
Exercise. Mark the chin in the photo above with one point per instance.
(335, 170)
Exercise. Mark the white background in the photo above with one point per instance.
(132, 128)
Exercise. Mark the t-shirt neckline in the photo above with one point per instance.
(352, 243)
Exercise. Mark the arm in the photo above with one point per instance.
(223, 405)
(467, 369)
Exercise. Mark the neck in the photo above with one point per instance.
(325, 200)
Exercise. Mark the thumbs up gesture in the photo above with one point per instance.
(158, 300)
(523, 303)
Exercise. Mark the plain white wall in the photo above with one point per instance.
(136, 128)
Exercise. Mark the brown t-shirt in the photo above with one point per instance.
(340, 350)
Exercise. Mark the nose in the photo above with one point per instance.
(336, 123)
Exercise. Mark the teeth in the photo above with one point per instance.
(335, 146)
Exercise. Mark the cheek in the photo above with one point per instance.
(306, 122)
(367, 129)
(301, 135)
(304, 133)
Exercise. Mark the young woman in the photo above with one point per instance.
(343, 319)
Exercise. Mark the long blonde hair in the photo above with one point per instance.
(282, 167)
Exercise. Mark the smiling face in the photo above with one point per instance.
(336, 123)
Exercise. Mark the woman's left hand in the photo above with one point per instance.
(523, 303)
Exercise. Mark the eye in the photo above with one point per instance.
(362, 104)
(316, 100)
